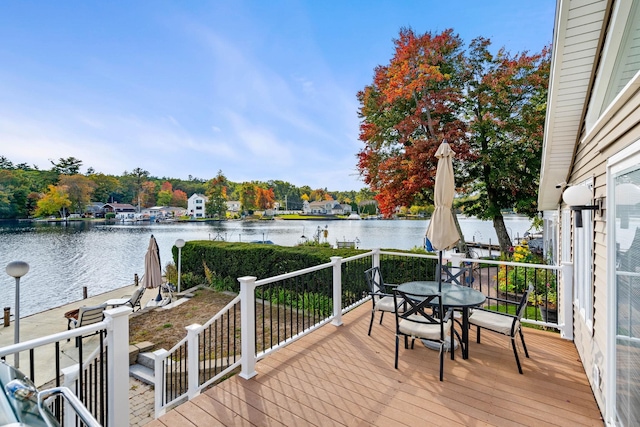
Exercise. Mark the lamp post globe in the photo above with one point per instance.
(179, 244)
(17, 269)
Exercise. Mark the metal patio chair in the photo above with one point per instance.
(423, 319)
(503, 323)
(381, 294)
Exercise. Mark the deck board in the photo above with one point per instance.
(339, 376)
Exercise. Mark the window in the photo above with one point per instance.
(627, 62)
(623, 226)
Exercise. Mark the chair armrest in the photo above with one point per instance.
(496, 311)
(506, 301)
(380, 294)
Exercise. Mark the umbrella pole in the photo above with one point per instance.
(439, 272)
(159, 297)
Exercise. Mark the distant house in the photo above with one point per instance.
(196, 205)
(94, 210)
(324, 207)
(174, 211)
(118, 208)
(164, 212)
(233, 205)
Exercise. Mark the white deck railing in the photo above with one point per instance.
(116, 323)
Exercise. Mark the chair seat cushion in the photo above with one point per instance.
(422, 330)
(385, 304)
(494, 321)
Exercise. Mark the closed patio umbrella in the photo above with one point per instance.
(152, 271)
(442, 231)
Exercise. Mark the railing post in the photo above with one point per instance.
(69, 378)
(247, 327)
(375, 259)
(118, 373)
(337, 290)
(159, 382)
(565, 314)
(193, 360)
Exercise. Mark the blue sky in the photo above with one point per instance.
(258, 89)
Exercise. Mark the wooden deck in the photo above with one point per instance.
(339, 376)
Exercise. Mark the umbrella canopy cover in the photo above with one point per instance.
(152, 270)
(442, 231)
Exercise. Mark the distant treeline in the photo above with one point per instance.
(26, 191)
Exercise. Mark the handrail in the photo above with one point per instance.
(50, 339)
(296, 273)
(220, 313)
(79, 408)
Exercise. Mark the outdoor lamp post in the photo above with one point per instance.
(179, 245)
(17, 269)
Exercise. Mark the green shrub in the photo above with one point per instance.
(227, 261)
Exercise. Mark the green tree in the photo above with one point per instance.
(165, 194)
(5, 163)
(506, 107)
(248, 196)
(164, 198)
(68, 166)
(105, 187)
(133, 186)
(54, 201)
(216, 206)
(79, 190)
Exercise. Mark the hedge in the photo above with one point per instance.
(205, 261)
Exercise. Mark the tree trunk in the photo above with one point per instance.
(462, 244)
(503, 236)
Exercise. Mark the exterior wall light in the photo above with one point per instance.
(579, 198)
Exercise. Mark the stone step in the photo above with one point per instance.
(142, 373)
(147, 360)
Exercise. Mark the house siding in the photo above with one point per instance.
(609, 137)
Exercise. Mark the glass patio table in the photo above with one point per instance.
(453, 296)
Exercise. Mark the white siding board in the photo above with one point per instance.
(580, 42)
(581, 8)
(590, 27)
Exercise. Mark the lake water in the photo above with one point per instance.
(103, 257)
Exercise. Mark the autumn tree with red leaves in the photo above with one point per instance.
(411, 107)
(433, 90)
